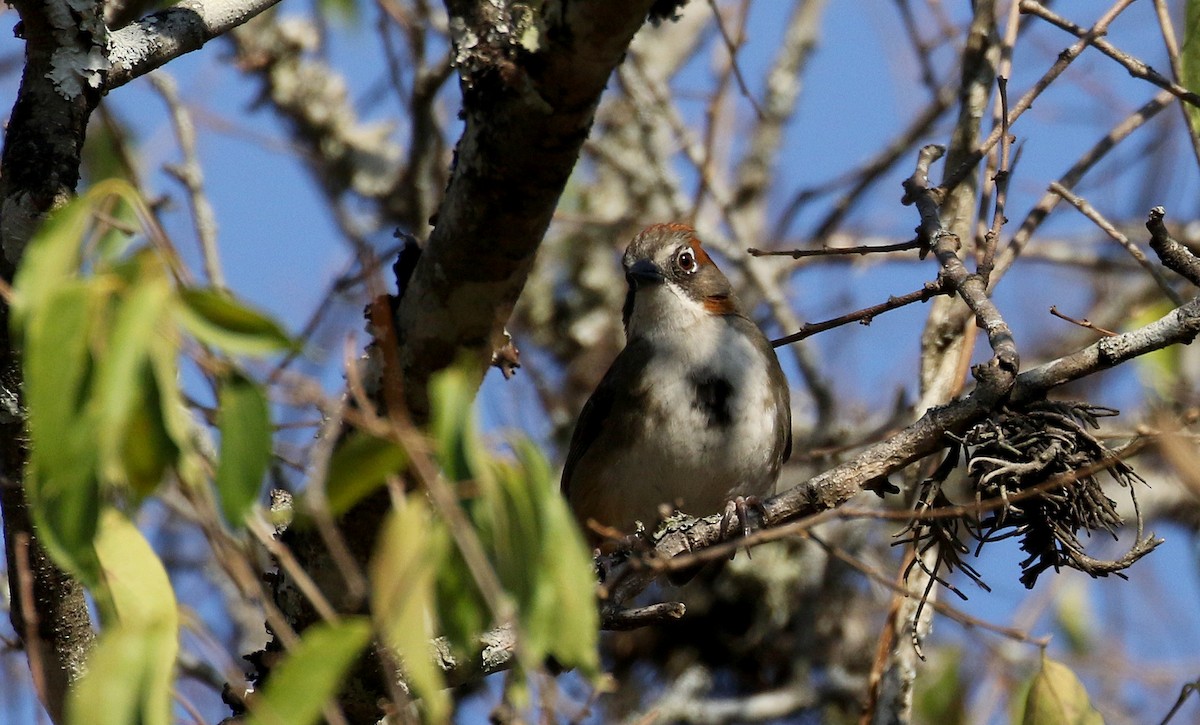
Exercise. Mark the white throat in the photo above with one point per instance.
(663, 314)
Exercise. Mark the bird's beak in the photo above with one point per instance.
(643, 272)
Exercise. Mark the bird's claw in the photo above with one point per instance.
(739, 510)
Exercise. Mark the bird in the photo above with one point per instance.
(694, 412)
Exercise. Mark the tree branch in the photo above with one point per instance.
(160, 37)
(527, 112)
(39, 169)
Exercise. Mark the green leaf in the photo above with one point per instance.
(148, 450)
(1074, 616)
(215, 318)
(65, 509)
(411, 551)
(360, 465)
(453, 424)
(136, 589)
(530, 536)
(61, 481)
(120, 382)
(130, 672)
(556, 589)
(310, 675)
(345, 11)
(1190, 59)
(51, 260)
(1057, 697)
(243, 419)
(54, 254)
(177, 421)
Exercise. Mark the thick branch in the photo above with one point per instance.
(151, 42)
(64, 62)
(527, 112)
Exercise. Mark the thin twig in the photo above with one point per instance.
(1136, 68)
(1082, 323)
(616, 619)
(29, 614)
(941, 607)
(733, 45)
(1098, 219)
(865, 315)
(1064, 59)
(1184, 693)
(1072, 176)
(988, 260)
(870, 172)
(836, 251)
(998, 376)
(191, 175)
(1168, 33)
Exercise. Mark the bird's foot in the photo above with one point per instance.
(737, 512)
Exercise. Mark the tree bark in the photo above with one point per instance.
(60, 87)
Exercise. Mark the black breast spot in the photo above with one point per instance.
(712, 398)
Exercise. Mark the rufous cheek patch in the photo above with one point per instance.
(719, 305)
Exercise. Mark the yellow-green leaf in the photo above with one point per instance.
(411, 551)
(56, 367)
(560, 617)
(120, 683)
(131, 670)
(1057, 697)
(217, 319)
(66, 506)
(1159, 370)
(177, 422)
(136, 589)
(310, 675)
(1074, 616)
(360, 465)
(244, 421)
(51, 259)
(941, 695)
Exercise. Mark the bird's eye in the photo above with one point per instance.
(686, 261)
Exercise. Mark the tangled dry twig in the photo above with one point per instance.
(1041, 461)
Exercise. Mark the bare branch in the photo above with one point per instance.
(160, 37)
(1064, 59)
(1174, 255)
(1098, 219)
(1136, 68)
(865, 315)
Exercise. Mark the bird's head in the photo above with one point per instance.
(673, 283)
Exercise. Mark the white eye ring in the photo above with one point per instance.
(687, 261)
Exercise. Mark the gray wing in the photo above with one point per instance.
(598, 412)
